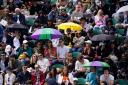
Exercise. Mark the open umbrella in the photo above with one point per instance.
(71, 25)
(16, 26)
(46, 33)
(123, 9)
(102, 37)
(97, 64)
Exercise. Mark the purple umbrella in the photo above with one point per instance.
(97, 64)
(46, 33)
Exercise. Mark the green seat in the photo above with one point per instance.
(122, 82)
(120, 31)
(53, 2)
(119, 38)
(30, 21)
(97, 31)
(58, 66)
(81, 81)
(114, 21)
(75, 54)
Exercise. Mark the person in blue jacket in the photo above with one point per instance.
(92, 77)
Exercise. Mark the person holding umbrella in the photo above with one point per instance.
(92, 77)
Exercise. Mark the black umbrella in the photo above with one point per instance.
(102, 37)
(17, 27)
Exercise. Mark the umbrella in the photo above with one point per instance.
(71, 25)
(97, 64)
(16, 26)
(123, 9)
(46, 33)
(102, 37)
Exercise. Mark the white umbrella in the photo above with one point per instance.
(123, 9)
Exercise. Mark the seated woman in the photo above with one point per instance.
(100, 19)
(80, 70)
(52, 77)
(88, 51)
(50, 51)
(33, 60)
(65, 78)
(37, 76)
(70, 62)
(109, 29)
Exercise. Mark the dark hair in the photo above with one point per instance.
(53, 6)
(109, 20)
(13, 56)
(53, 75)
(50, 42)
(67, 70)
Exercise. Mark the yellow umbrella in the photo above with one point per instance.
(71, 25)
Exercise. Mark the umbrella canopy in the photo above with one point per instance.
(102, 37)
(71, 25)
(97, 64)
(46, 33)
(123, 9)
(16, 26)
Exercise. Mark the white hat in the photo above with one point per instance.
(88, 42)
(8, 48)
(25, 41)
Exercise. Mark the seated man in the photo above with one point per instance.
(107, 78)
(24, 77)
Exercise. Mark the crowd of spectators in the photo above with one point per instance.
(24, 61)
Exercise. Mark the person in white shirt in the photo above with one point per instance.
(80, 70)
(16, 40)
(9, 77)
(43, 63)
(78, 39)
(107, 78)
(62, 50)
(65, 77)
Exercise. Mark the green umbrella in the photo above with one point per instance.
(105, 64)
(46, 33)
